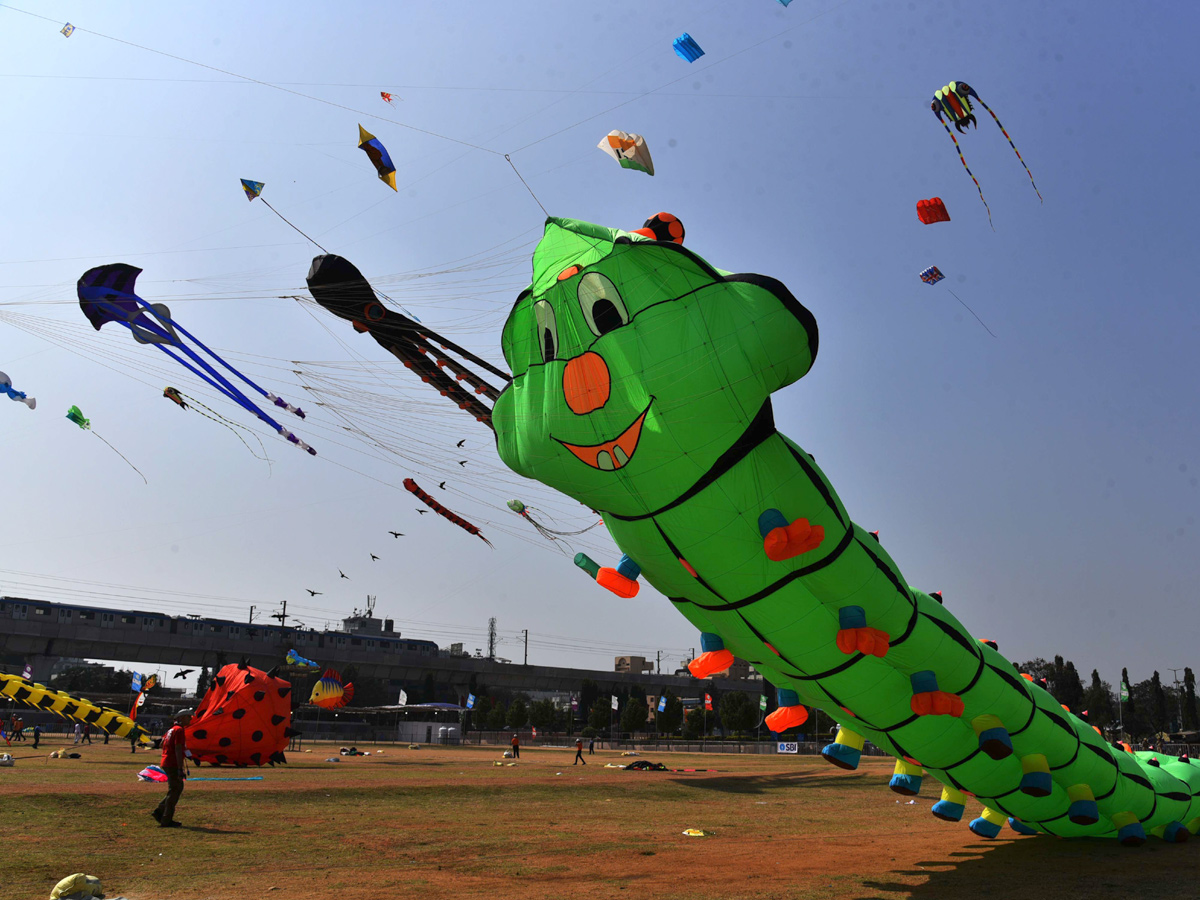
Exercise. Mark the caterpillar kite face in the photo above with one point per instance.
(631, 356)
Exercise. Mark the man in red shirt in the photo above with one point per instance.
(174, 752)
(516, 747)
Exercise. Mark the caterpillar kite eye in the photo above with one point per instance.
(568, 272)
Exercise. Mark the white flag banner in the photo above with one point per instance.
(614, 699)
(403, 698)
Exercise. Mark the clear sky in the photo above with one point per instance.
(1044, 479)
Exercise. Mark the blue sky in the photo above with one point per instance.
(1044, 479)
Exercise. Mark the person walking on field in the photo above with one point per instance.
(591, 746)
(516, 748)
(174, 754)
(37, 734)
(579, 752)
(78, 732)
(87, 733)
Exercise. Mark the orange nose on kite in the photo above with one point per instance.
(586, 383)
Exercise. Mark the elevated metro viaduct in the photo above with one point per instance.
(39, 632)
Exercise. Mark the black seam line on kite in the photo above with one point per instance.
(760, 429)
(821, 486)
(257, 81)
(962, 762)
(968, 645)
(1074, 756)
(1176, 796)
(782, 582)
(1153, 808)
(888, 573)
(799, 674)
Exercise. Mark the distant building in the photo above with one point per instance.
(361, 623)
(638, 665)
(739, 671)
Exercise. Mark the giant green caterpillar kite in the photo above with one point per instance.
(642, 382)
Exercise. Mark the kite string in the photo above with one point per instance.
(963, 160)
(1004, 132)
(294, 228)
(217, 417)
(508, 159)
(257, 81)
(122, 455)
(972, 312)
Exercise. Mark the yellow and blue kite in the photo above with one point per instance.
(378, 154)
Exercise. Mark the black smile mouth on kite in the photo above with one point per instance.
(615, 454)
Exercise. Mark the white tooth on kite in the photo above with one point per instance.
(619, 456)
(604, 461)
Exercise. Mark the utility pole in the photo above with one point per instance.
(251, 619)
(281, 616)
(527, 648)
(658, 664)
(492, 638)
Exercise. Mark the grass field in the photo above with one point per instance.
(445, 822)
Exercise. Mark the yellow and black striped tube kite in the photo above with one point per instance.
(74, 708)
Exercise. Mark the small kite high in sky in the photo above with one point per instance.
(68, 30)
(106, 295)
(252, 188)
(932, 211)
(629, 150)
(75, 414)
(19, 396)
(387, 98)
(933, 275)
(378, 155)
(954, 100)
(686, 48)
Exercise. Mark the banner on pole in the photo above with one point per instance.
(662, 703)
(470, 701)
(762, 702)
(614, 701)
(708, 701)
(403, 698)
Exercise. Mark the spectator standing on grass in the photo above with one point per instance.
(78, 732)
(591, 746)
(87, 733)
(37, 734)
(579, 752)
(516, 748)
(20, 727)
(174, 755)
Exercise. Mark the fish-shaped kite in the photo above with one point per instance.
(378, 155)
(330, 693)
(295, 659)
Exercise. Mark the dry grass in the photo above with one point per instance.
(442, 823)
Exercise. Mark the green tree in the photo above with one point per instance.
(698, 721)
(518, 713)
(1160, 715)
(635, 715)
(99, 679)
(738, 712)
(203, 680)
(496, 716)
(1098, 702)
(600, 713)
(589, 692)
(542, 714)
(1069, 687)
(1191, 715)
(671, 717)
